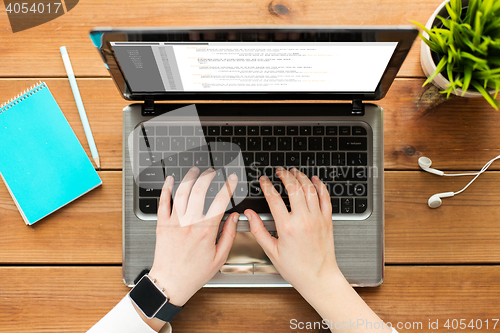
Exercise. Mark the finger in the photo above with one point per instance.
(198, 192)
(219, 205)
(164, 208)
(268, 243)
(226, 238)
(308, 189)
(274, 200)
(324, 197)
(295, 193)
(182, 193)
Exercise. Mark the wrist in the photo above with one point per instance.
(176, 295)
(324, 285)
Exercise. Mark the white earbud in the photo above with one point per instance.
(425, 163)
(435, 200)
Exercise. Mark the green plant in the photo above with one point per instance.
(469, 47)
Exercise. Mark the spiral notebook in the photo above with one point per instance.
(42, 163)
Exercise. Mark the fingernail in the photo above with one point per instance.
(193, 169)
(279, 169)
(315, 177)
(294, 169)
(249, 216)
(236, 218)
(170, 180)
(264, 177)
(232, 176)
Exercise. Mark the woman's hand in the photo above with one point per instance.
(304, 253)
(186, 256)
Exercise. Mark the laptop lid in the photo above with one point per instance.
(272, 63)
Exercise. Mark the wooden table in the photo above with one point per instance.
(64, 273)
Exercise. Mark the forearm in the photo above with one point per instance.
(338, 303)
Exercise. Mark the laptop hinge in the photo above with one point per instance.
(148, 108)
(358, 108)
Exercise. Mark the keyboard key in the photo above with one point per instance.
(148, 159)
(360, 190)
(277, 159)
(253, 130)
(325, 174)
(178, 144)
(254, 144)
(307, 159)
(199, 131)
(227, 130)
(231, 158)
(292, 159)
(151, 174)
(338, 159)
(252, 173)
(209, 139)
(299, 143)
(292, 130)
(318, 130)
(323, 159)
(161, 131)
(184, 172)
(255, 190)
(358, 130)
(285, 143)
(147, 130)
(174, 172)
(345, 130)
(350, 173)
(222, 144)
(205, 130)
(213, 130)
(218, 159)
(266, 130)
(240, 130)
(248, 158)
(269, 143)
(240, 142)
(146, 144)
(331, 130)
(150, 189)
(234, 170)
(262, 159)
(241, 190)
(353, 143)
(186, 159)
(201, 159)
(170, 159)
(148, 206)
(335, 205)
(338, 189)
(315, 143)
(305, 130)
(279, 130)
(163, 144)
(193, 143)
(187, 130)
(330, 143)
(344, 208)
(174, 130)
(212, 190)
(357, 159)
(361, 205)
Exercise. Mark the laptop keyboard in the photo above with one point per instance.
(336, 152)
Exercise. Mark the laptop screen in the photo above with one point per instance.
(273, 63)
(253, 66)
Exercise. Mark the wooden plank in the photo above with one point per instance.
(464, 230)
(458, 134)
(86, 231)
(35, 52)
(72, 299)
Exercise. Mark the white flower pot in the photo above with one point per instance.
(428, 65)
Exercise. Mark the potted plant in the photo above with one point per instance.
(460, 51)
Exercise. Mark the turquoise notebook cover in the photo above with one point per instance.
(41, 160)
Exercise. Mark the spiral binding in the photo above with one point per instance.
(16, 100)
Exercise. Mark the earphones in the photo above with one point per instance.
(435, 200)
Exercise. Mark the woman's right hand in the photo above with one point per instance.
(304, 252)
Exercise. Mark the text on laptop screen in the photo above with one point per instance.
(253, 67)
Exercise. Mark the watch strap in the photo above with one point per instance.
(168, 312)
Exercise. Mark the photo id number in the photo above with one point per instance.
(36, 8)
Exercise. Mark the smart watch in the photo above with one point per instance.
(152, 300)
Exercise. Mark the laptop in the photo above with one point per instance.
(299, 97)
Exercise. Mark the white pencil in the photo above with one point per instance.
(79, 105)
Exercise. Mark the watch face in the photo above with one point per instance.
(147, 297)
